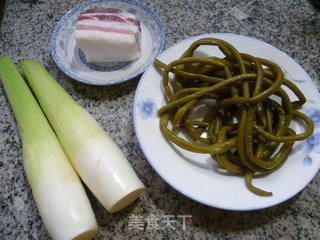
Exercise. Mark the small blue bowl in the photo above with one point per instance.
(71, 60)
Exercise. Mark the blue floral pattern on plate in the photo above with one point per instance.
(312, 143)
(147, 108)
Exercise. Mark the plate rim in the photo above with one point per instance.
(172, 184)
(67, 15)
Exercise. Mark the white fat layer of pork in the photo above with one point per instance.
(116, 25)
(106, 45)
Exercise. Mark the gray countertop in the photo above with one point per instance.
(293, 26)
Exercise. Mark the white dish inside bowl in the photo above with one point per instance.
(71, 60)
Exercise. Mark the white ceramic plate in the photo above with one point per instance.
(197, 175)
(72, 62)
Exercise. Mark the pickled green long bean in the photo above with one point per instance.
(246, 131)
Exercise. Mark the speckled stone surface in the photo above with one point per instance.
(293, 26)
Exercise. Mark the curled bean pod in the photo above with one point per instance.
(245, 130)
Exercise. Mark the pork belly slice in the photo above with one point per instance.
(108, 35)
